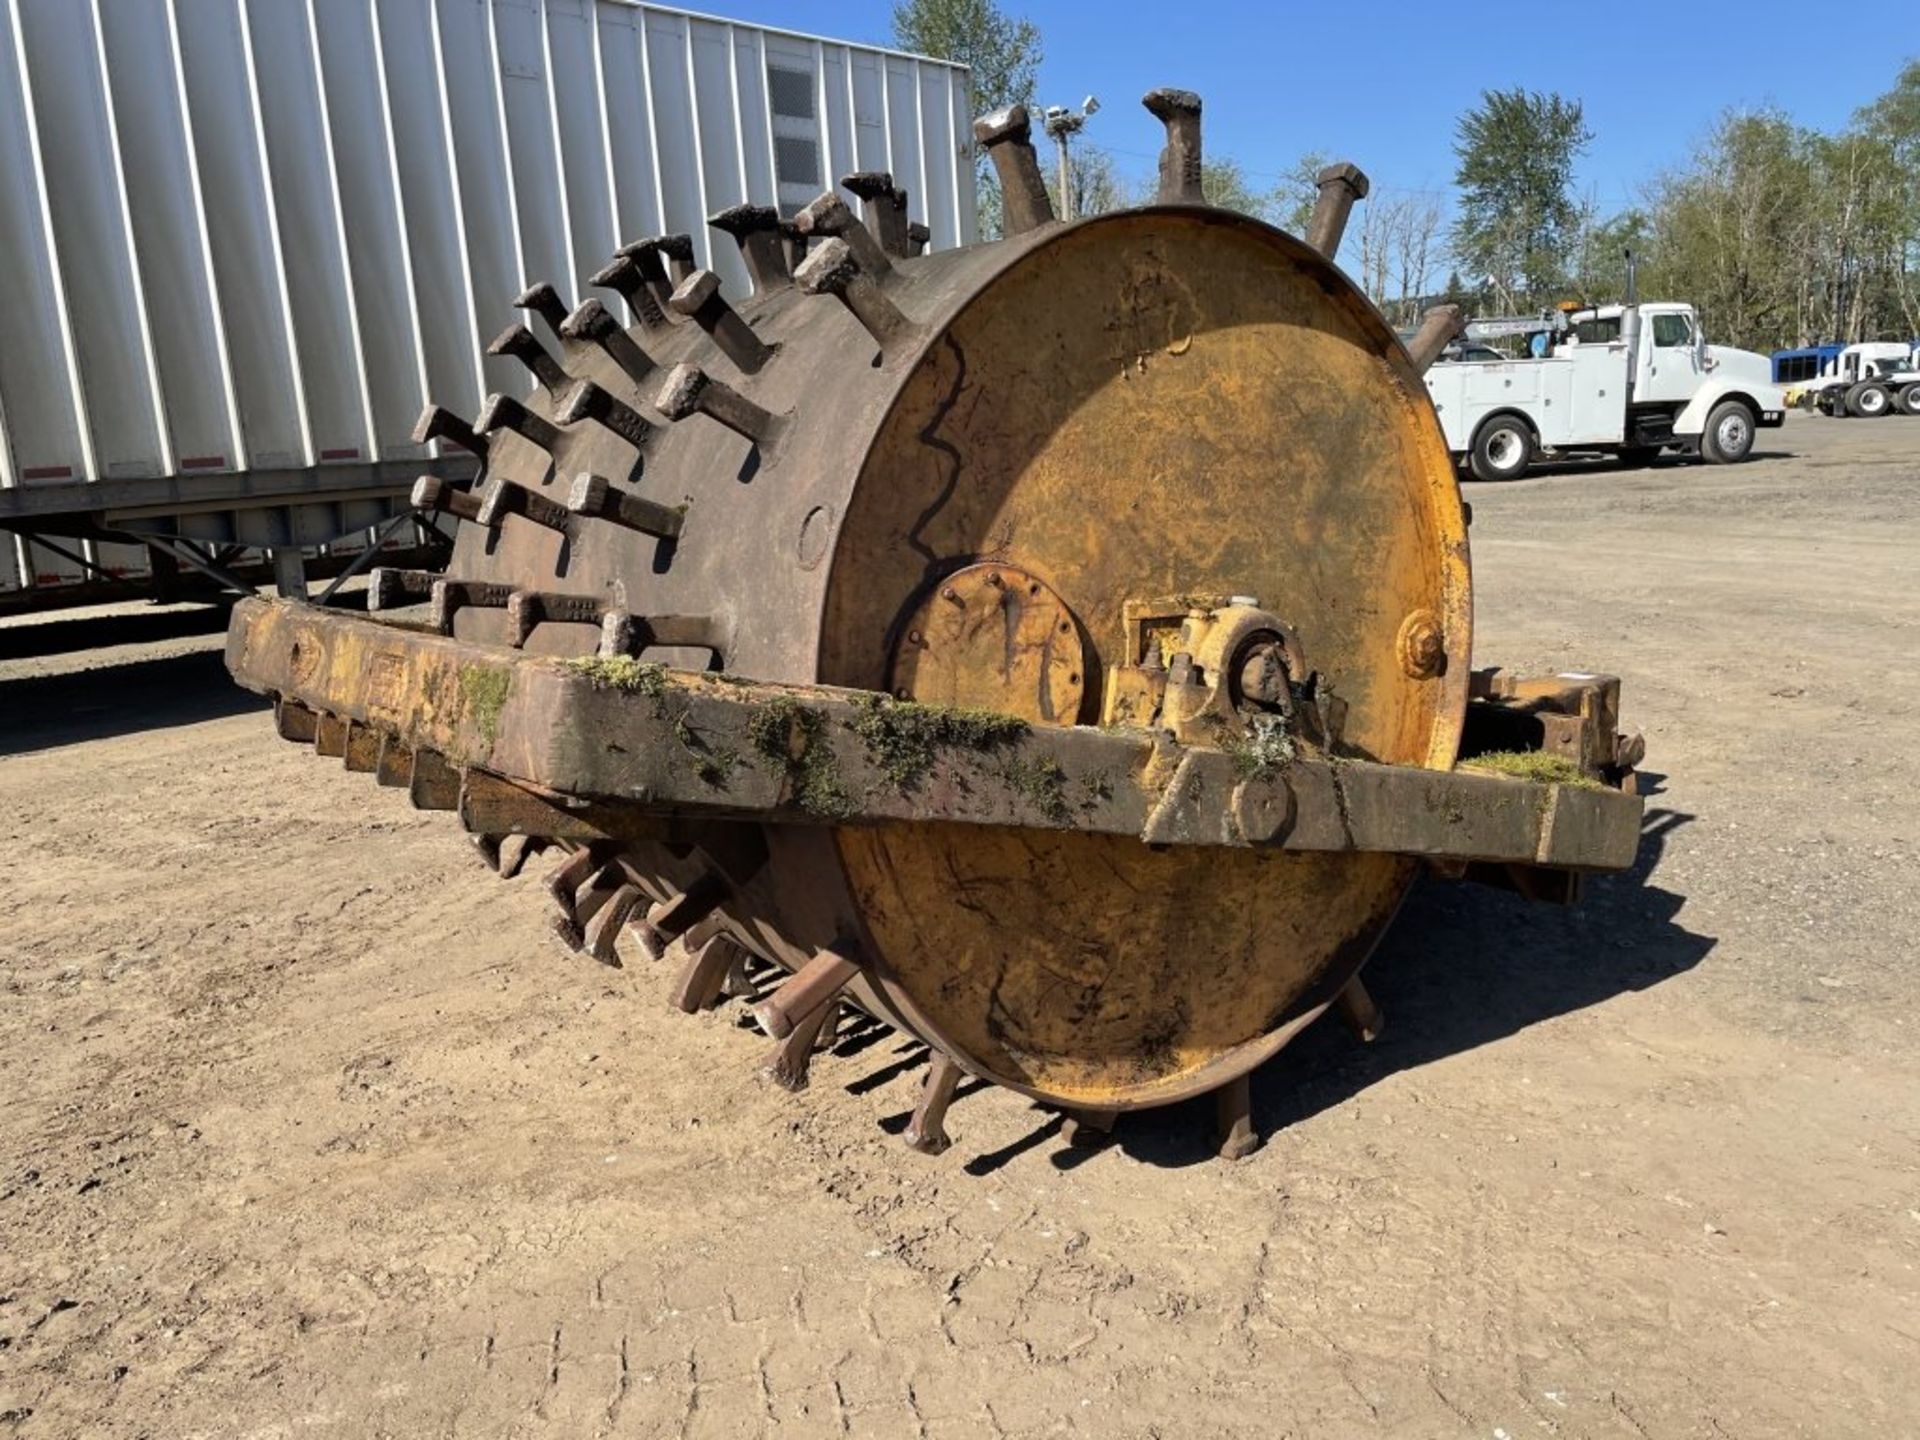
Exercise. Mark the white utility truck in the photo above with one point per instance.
(1630, 380)
(1878, 377)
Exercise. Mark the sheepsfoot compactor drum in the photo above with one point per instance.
(1056, 649)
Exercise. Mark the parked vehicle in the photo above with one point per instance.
(246, 240)
(1877, 377)
(1807, 362)
(1630, 380)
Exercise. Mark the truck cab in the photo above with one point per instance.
(1869, 379)
(1630, 380)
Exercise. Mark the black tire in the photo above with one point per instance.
(1638, 457)
(1869, 401)
(1908, 400)
(1728, 438)
(1502, 450)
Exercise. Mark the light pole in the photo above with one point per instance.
(1061, 123)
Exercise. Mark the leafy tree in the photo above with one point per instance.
(1097, 185)
(1517, 220)
(1002, 52)
(1600, 253)
(1893, 122)
(1297, 193)
(1225, 184)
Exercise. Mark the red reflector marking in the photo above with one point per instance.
(204, 462)
(47, 472)
(340, 454)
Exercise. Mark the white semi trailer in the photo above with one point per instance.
(1630, 380)
(246, 240)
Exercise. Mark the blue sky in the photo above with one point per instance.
(1381, 83)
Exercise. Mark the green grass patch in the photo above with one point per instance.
(793, 737)
(905, 738)
(1535, 765)
(621, 672)
(483, 693)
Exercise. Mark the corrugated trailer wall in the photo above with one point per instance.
(259, 234)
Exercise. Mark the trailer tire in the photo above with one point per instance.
(1502, 450)
(1728, 438)
(1909, 398)
(1868, 400)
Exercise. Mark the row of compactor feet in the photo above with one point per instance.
(1057, 650)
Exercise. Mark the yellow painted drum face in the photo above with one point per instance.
(1158, 403)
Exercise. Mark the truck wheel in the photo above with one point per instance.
(1909, 398)
(1868, 400)
(1502, 449)
(1729, 433)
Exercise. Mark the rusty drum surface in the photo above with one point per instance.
(1059, 649)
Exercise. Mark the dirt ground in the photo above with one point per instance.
(308, 1129)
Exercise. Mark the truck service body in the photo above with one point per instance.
(1628, 379)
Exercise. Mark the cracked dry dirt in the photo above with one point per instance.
(308, 1130)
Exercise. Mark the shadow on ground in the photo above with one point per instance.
(1600, 467)
(44, 712)
(1463, 966)
(70, 633)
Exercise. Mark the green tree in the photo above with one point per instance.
(1893, 123)
(1097, 186)
(1224, 183)
(1600, 254)
(1517, 221)
(1002, 52)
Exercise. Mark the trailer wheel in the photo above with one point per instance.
(1729, 434)
(1909, 398)
(1868, 400)
(1502, 450)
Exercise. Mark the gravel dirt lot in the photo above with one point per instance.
(309, 1130)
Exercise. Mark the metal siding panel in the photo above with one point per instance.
(492, 241)
(903, 131)
(240, 232)
(36, 394)
(629, 126)
(426, 198)
(535, 175)
(315, 277)
(838, 156)
(934, 204)
(89, 236)
(173, 276)
(580, 141)
(711, 64)
(966, 172)
(681, 195)
(368, 223)
(867, 96)
(755, 116)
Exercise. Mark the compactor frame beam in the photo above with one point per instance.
(599, 735)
